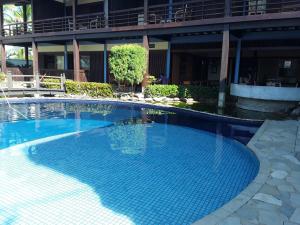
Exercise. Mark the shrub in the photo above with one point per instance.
(160, 90)
(50, 83)
(181, 91)
(80, 88)
(128, 63)
(2, 76)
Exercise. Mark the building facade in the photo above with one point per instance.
(252, 45)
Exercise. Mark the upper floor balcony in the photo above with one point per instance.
(101, 16)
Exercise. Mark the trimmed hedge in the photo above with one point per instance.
(181, 91)
(159, 90)
(80, 88)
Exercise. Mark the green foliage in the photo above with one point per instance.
(160, 90)
(2, 76)
(89, 88)
(50, 83)
(151, 79)
(128, 63)
(82, 88)
(181, 91)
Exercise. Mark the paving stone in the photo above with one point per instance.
(281, 166)
(289, 223)
(292, 158)
(286, 188)
(247, 212)
(295, 199)
(270, 190)
(271, 218)
(279, 174)
(295, 218)
(231, 221)
(287, 210)
(268, 199)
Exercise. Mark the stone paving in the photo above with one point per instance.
(274, 196)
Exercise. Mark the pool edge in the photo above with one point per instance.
(231, 206)
(249, 192)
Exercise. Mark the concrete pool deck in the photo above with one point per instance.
(274, 196)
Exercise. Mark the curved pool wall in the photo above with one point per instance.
(241, 130)
(146, 168)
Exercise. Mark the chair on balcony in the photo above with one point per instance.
(70, 24)
(183, 14)
(96, 23)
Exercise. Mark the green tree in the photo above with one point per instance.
(128, 63)
(14, 14)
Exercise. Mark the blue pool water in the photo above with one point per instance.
(118, 164)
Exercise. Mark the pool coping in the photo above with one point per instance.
(230, 207)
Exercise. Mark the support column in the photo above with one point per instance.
(74, 5)
(105, 63)
(1, 20)
(224, 67)
(170, 10)
(227, 8)
(76, 58)
(145, 12)
(24, 6)
(168, 62)
(32, 15)
(35, 58)
(3, 58)
(26, 52)
(106, 16)
(237, 61)
(146, 46)
(66, 57)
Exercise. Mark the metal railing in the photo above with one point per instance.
(128, 17)
(259, 7)
(157, 14)
(189, 10)
(90, 21)
(53, 25)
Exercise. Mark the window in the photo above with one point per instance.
(60, 62)
(85, 63)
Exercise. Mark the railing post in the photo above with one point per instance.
(9, 80)
(62, 81)
(3, 58)
(37, 81)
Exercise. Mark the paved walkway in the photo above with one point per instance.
(274, 196)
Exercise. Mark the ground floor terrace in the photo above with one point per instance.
(247, 61)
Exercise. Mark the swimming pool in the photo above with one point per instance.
(77, 162)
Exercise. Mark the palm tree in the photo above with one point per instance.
(13, 14)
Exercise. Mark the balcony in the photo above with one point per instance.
(179, 13)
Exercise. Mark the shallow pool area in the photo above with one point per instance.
(107, 163)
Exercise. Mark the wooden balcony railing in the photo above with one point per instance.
(157, 14)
